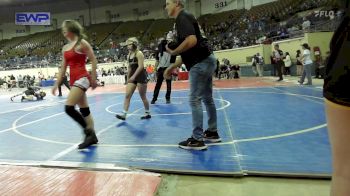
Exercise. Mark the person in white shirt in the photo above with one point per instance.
(287, 63)
(306, 24)
(254, 63)
(260, 64)
(307, 63)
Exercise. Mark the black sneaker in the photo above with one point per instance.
(153, 101)
(120, 117)
(90, 139)
(211, 136)
(146, 116)
(168, 101)
(192, 144)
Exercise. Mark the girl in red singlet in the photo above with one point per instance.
(74, 56)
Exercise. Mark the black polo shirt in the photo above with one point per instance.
(337, 77)
(186, 25)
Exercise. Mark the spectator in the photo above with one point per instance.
(307, 63)
(260, 64)
(254, 64)
(318, 64)
(224, 69)
(299, 64)
(306, 24)
(278, 59)
(287, 63)
(236, 71)
(217, 68)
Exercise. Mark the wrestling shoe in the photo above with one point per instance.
(121, 116)
(90, 139)
(146, 116)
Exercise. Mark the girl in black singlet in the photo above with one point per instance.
(137, 77)
(141, 78)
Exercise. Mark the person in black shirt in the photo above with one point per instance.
(217, 70)
(299, 64)
(163, 61)
(64, 82)
(337, 94)
(278, 58)
(197, 56)
(236, 71)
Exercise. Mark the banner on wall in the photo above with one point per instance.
(33, 18)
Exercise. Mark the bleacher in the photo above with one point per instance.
(213, 19)
(98, 32)
(34, 41)
(53, 44)
(275, 9)
(9, 45)
(158, 29)
(148, 31)
(132, 29)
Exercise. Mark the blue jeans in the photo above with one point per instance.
(201, 89)
(307, 74)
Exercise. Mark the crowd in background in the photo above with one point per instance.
(246, 30)
(251, 30)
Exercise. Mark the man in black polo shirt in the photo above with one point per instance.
(278, 59)
(201, 63)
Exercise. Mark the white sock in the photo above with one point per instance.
(125, 113)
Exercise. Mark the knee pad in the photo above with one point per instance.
(69, 109)
(85, 112)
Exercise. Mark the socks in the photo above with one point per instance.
(147, 115)
(75, 115)
(124, 113)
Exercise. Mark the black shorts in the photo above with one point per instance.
(337, 76)
(141, 78)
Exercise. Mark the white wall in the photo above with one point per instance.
(251, 3)
(216, 6)
(259, 2)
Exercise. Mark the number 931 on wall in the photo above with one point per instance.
(220, 4)
(33, 18)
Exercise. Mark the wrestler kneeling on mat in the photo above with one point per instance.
(31, 94)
